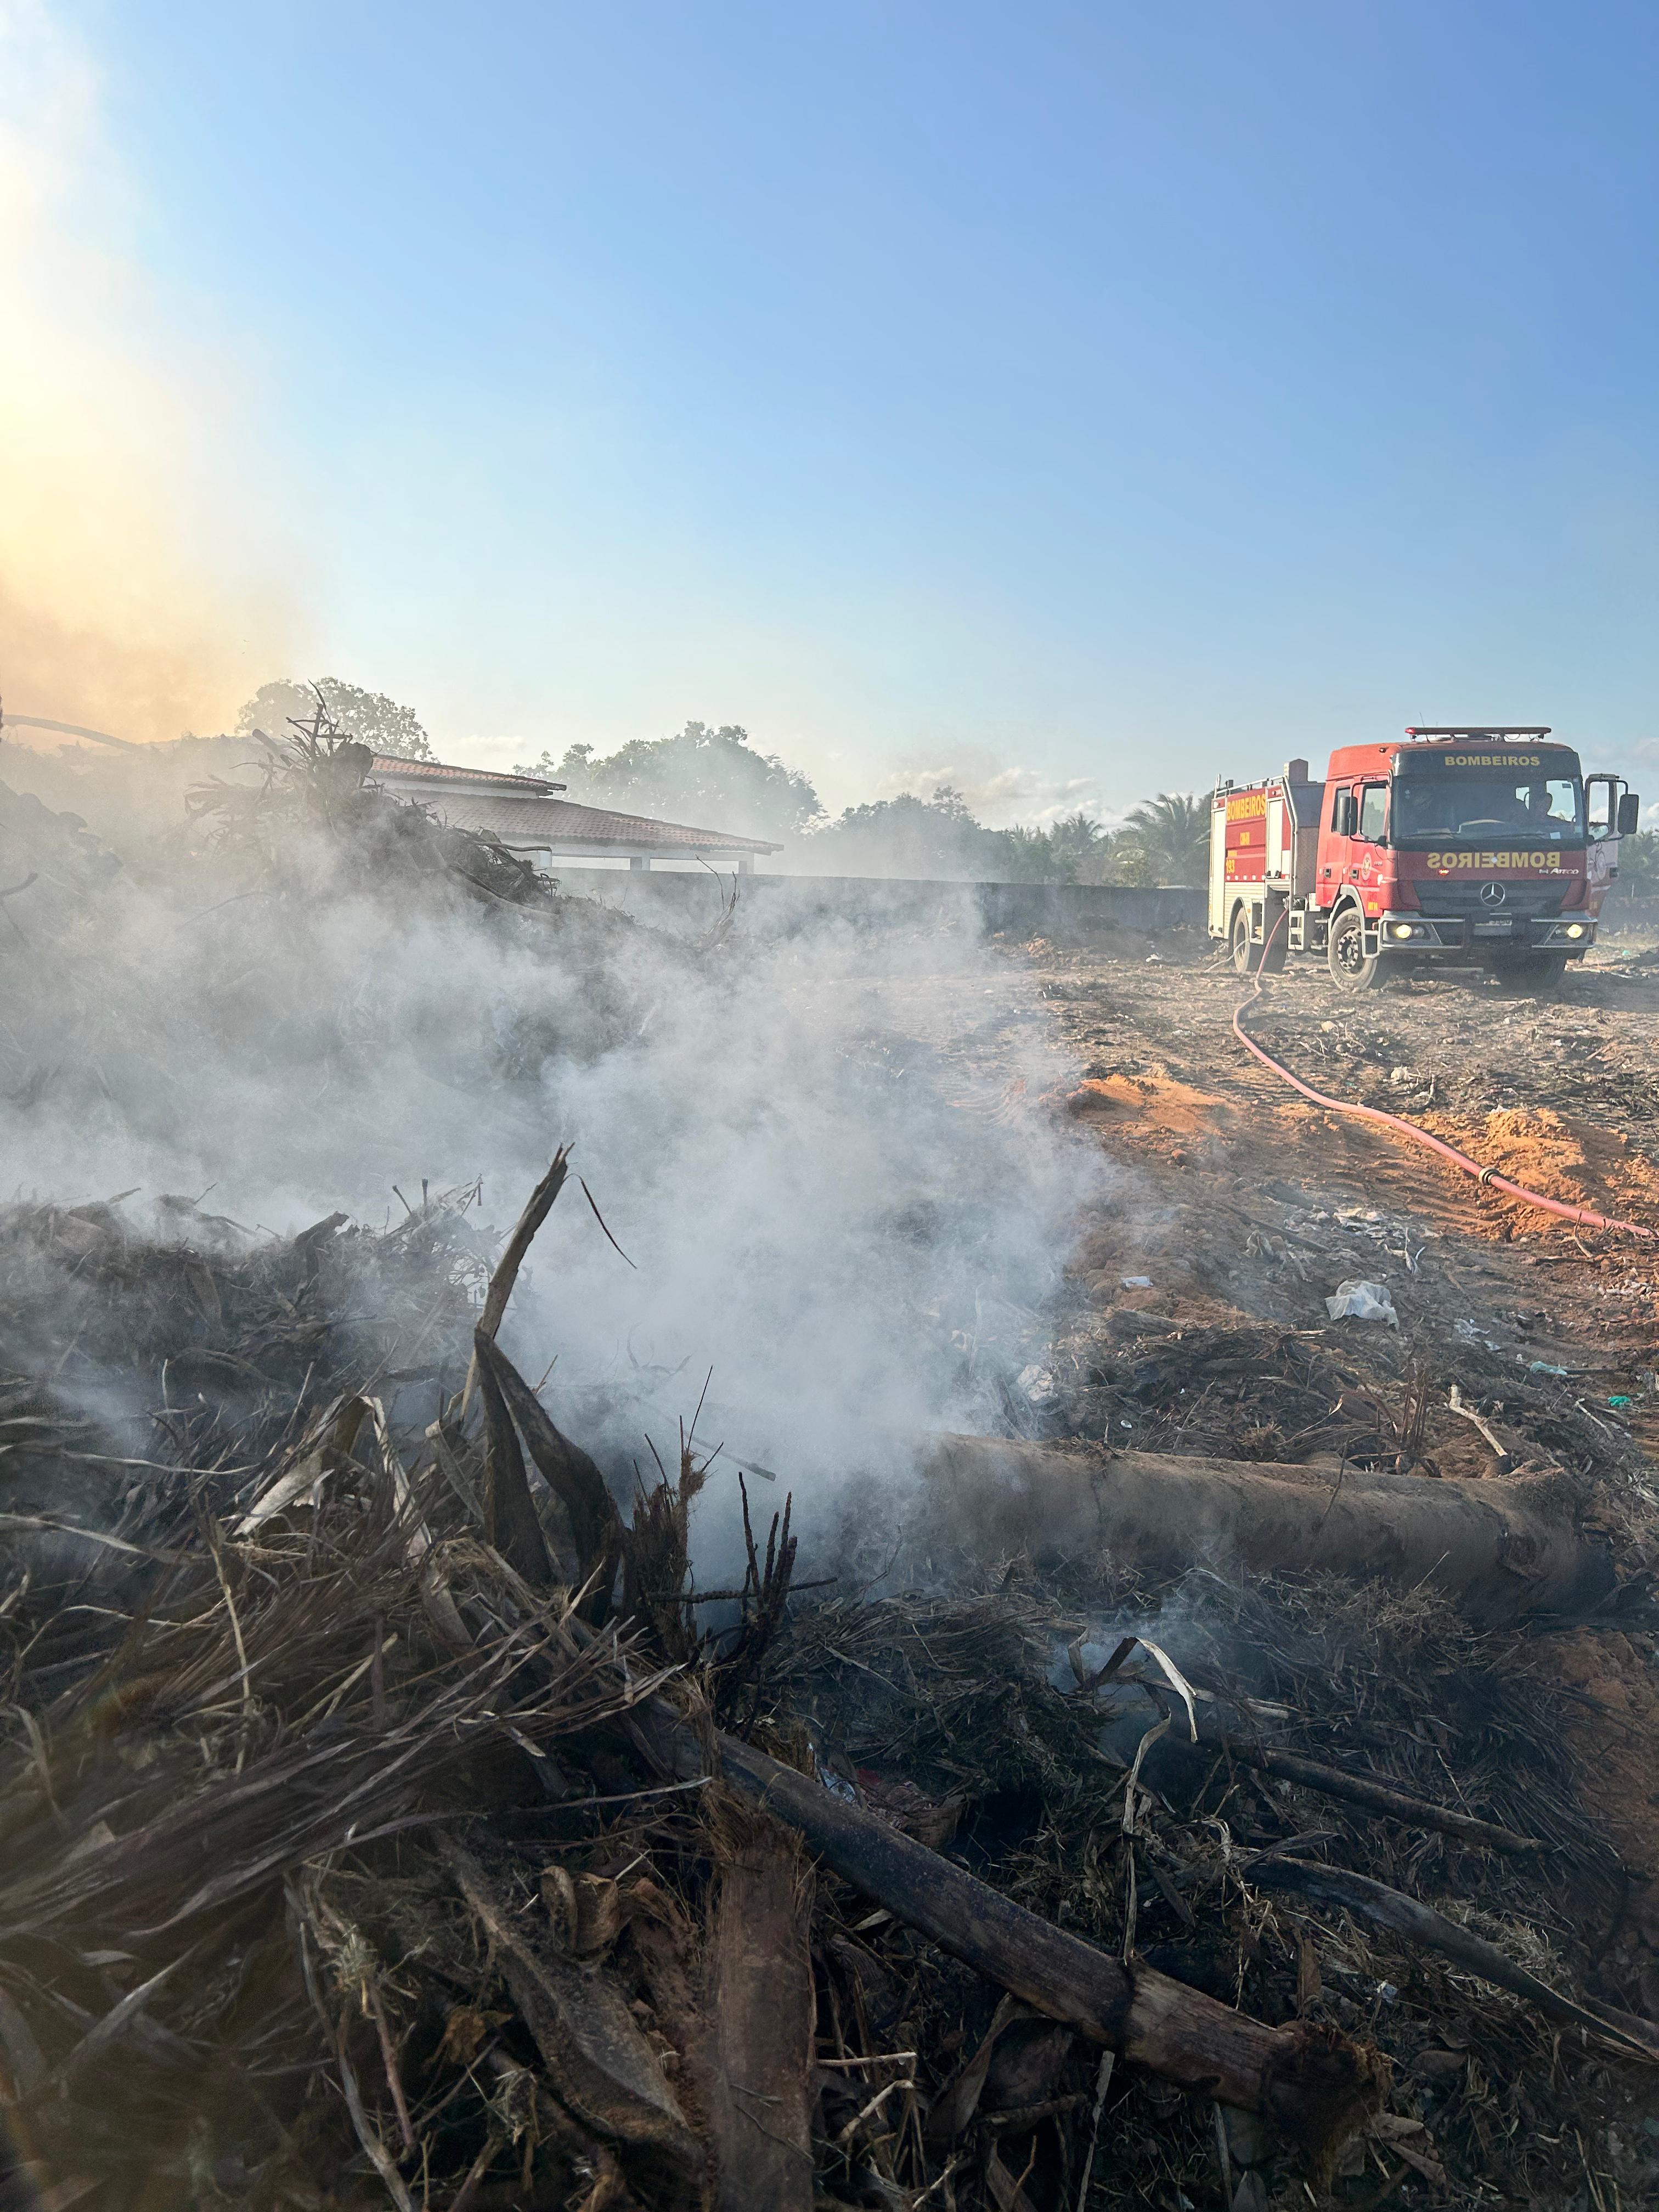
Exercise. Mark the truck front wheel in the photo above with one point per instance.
(1353, 969)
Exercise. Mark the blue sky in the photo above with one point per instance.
(1072, 400)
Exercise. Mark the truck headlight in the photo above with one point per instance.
(1575, 929)
(1405, 929)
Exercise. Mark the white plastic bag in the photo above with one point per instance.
(1357, 1301)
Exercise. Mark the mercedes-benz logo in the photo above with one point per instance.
(1492, 894)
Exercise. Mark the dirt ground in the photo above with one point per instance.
(1240, 1202)
(1251, 1205)
(1195, 1318)
(1270, 1200)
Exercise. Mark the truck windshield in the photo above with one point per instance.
(1527, 806)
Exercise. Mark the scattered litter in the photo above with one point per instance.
(1037, 1383)
(1371, 1221)
(1618, 1402)
(1357, 1301)
(1533, 1366)
(1136, 1282)
(1470, 1332)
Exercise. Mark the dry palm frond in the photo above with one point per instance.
(287, 1699)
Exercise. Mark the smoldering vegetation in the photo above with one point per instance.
(392, 1814)
(428, 1780)
(303, 997)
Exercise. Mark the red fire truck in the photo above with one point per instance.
(1459, 847)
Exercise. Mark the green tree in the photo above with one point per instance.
(1638, 865)
(940, 836)
(712, 779)
(369, 716)
(1059, 854)
(912, 836)
(1164, 839)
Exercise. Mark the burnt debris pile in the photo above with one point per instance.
(388, 1816)
(317, 780)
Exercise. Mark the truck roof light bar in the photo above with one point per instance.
(1481, 730)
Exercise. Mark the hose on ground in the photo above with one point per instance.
(1487, 1177)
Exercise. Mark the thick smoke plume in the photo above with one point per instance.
(827, 1211)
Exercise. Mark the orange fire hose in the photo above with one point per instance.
(1489, 1177)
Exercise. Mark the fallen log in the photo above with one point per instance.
(1378, 1798)
(1501, 1546)
(759, 2004)
(1312, 2082)
(1419, 1923)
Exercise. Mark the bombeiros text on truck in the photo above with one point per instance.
(1460, 847)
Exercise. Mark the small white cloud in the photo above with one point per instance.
(997, 793)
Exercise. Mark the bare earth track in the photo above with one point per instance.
(1561, 1094)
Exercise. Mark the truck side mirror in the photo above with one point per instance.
(1630, 813)
(1345, 812)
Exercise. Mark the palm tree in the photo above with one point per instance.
(1166, 840)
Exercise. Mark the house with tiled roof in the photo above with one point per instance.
(531, 817)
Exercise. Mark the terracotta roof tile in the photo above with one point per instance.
(440, 772)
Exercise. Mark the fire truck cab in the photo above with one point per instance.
(1485, 848)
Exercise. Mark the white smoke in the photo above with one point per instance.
(847, 1223)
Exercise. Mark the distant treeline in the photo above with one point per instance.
(718, 780)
